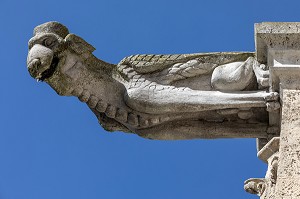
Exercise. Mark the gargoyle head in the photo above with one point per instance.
(44, 49)
(52, 52)
(255, 186)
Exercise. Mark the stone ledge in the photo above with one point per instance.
(275, 35)
(269, 149)
(277, 27)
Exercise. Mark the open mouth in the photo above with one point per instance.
(49, 72)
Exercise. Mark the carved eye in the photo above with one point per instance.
(49, 42)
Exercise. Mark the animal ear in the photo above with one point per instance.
(78, 44)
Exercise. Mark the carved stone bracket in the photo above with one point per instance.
(278, 46)
(265, 187)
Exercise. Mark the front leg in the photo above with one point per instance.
(160, 99)
(262, 75)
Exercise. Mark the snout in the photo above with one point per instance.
(39, 60)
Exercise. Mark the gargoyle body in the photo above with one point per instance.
(184, 96)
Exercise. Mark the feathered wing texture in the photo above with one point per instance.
(169, 68)
(78, 44)
(150, 63)
(179, 71)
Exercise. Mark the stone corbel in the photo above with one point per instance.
(265, 187)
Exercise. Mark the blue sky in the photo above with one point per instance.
(53, 147)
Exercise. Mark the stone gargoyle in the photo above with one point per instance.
(180, 96)
(266, 187)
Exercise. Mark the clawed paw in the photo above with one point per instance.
(262, 75)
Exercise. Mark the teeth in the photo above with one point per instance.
(133, 119)
(84, 97)
(143, 122)
(154, 121)
(92, 102)
(111, 111)
(77, 92)
(34, 63)
(101, 106)
(121, 115)
(164, 119)
(39, 76)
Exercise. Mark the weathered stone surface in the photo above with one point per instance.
(289, 169)
(266, 187)
(281, 35)
(187, 96)
(151, 95)
(283, 60)
(269, 149)
(278, 46)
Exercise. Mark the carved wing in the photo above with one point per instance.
(150, 63)
(78, 44)
(169, 68)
